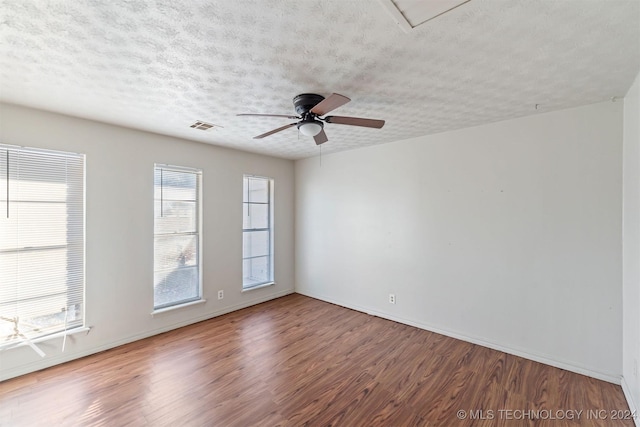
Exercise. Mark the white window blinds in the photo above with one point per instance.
(176, 236)
(41, 243)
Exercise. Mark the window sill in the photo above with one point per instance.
(46, 338)
(176, 307)
(264, 285)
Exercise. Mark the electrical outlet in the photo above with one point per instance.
(392, 298)
(220, 294)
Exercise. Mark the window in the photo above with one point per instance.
(257, 231)
(176, 271)
(41, 243)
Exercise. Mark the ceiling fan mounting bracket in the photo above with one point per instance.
(305, 102)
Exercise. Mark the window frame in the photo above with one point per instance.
(270, 229)
(159, 308)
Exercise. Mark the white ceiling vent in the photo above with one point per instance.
(409, 14)
(203, 125)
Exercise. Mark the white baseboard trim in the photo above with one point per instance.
(547, 360)
(632, 405)
(67, 357)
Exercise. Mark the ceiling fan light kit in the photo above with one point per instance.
(310, 127)
(310, 107)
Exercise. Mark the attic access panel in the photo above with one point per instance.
(409, 14)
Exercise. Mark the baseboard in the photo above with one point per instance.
(547, 360)
(632, 405)
(67, 357)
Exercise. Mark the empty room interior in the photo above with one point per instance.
(345, 213)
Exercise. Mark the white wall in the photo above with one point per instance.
(507, 235)
(631, 246)
(119, 228)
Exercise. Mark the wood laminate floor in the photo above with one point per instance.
(298, 361)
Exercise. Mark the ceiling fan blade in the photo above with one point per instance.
(274, 131)
(270, 115)
(329, 104)
(321, 138)
(355, 121)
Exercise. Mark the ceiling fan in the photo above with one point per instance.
(310, 107)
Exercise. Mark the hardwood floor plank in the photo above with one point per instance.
(296, 361)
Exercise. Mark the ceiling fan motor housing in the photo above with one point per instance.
(305, 102)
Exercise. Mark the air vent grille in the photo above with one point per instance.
(203, 125)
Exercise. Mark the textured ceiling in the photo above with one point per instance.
(161, 65)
